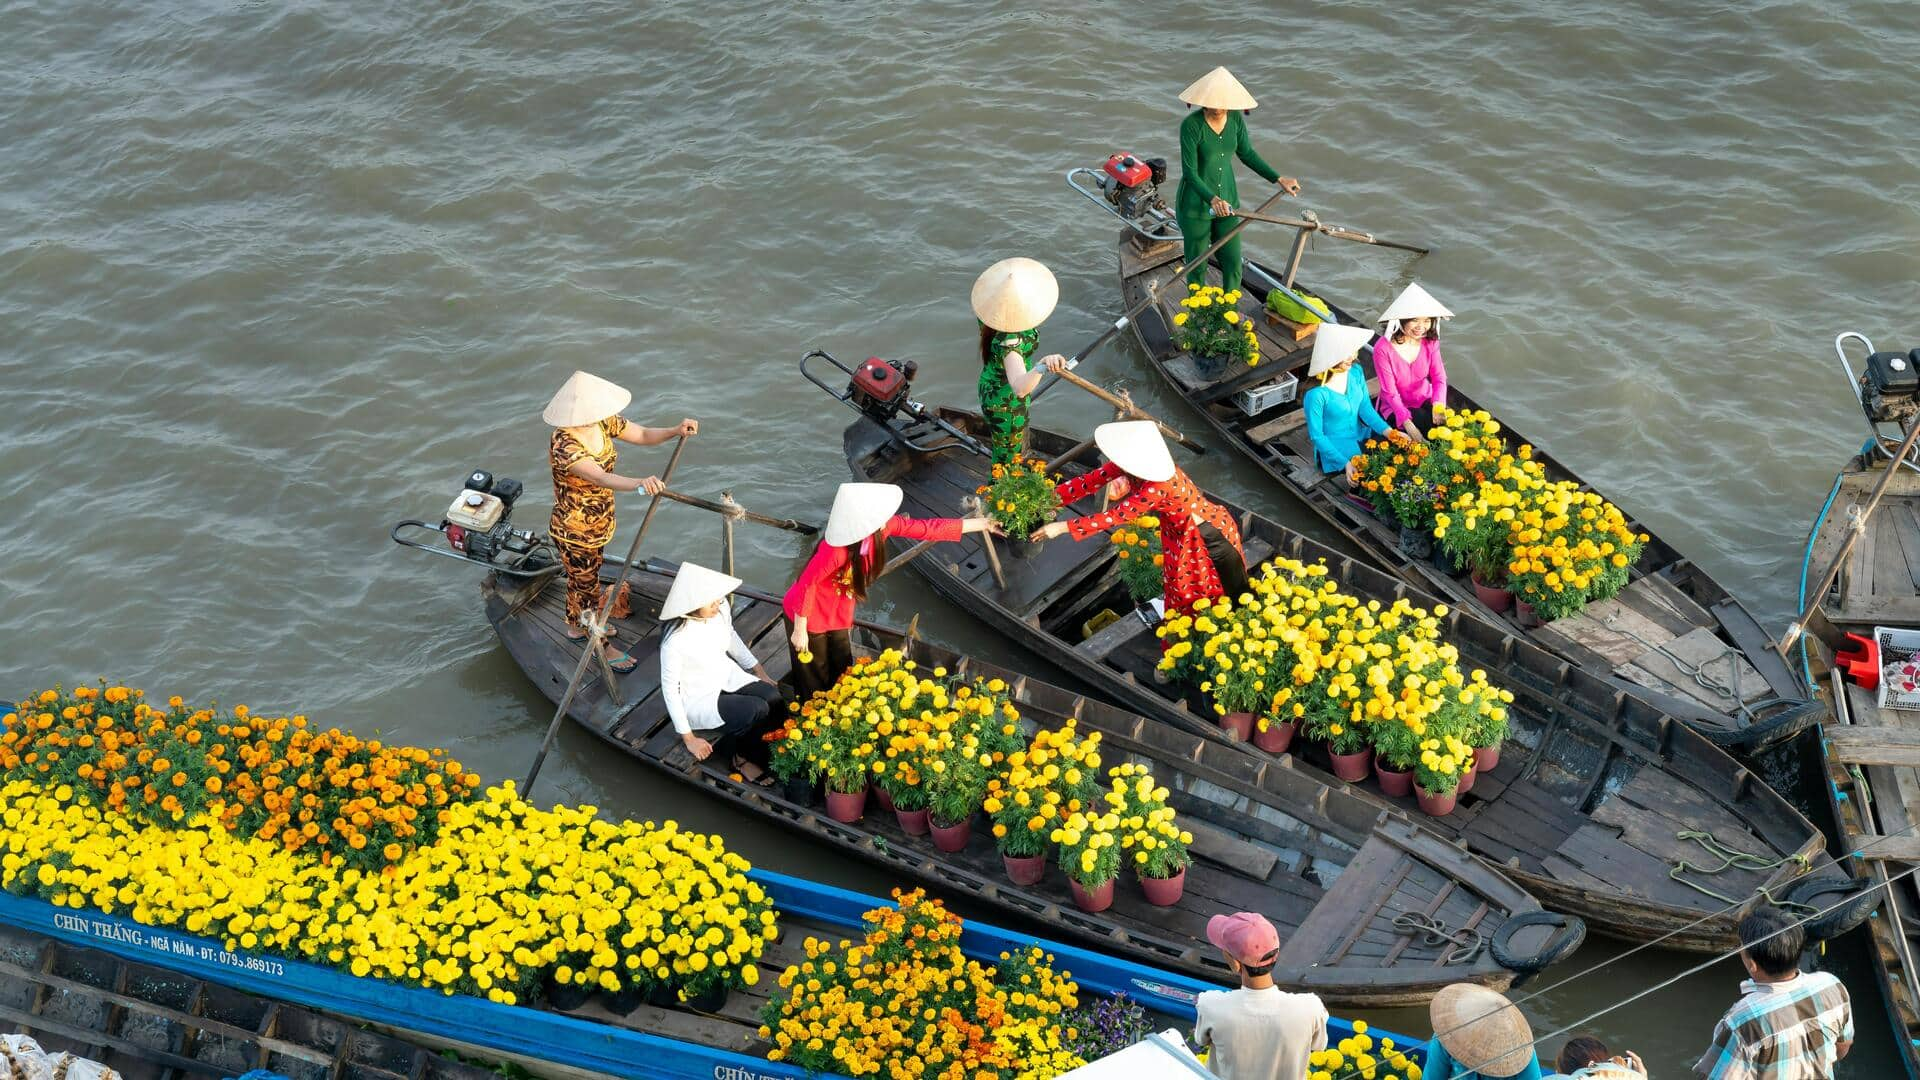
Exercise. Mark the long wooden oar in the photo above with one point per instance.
(597, 629)
(1338, 232)
(736, 510)
(1153, 296)
(1130, 410)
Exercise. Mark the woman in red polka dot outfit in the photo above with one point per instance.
(1198, 536)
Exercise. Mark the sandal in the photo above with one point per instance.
(624, 663)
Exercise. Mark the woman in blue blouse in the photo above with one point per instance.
(1340, 412)
(1478, 1035)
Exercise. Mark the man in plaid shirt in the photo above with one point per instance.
(1789, 1026)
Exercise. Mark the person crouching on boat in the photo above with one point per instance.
(1198, 537)
(586, 418)
(715, 705)
(1339, 413)
(1406, 359)
(1011, 299)
(851, 557)
(1211, 136)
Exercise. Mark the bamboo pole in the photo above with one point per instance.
(726, 532)
(1338, 232)
(597, 629)
(731, 509)
(1130, 411)
(971, 507)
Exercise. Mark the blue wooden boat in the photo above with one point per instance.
(649, 1042)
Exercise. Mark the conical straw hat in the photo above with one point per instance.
(1333, 343)
(859, 510)
(694, 587)
(1217, 89)
(585, 399)
(1014, 295)
(1413, 302)
(1482, 1030)
(1136, 446)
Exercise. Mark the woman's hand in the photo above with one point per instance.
(697, 746)
(1221, 208)
(687, 428)
(798, 639)
(652, 485)
(1409, 431)
(1630, 1060)
(1353, 472)
(1054, 362)
(1052, 530)
(1289, 185)
(1118, 488)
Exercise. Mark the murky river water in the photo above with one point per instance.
(274, 275)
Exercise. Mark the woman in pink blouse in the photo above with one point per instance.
(1406, 358)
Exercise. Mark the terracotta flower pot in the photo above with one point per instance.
(1394, 782)
(1493, 596)
(1098, 898)
(952, 838)
(1239, 724)
(913, 822)
(1524, 614)
(1025, 869)
(1353, 767)
(883, 798)
(1436, 805)
(1163, 892)
(1486, 758)
(1466, 781)
(1276, 738)
(845, 807)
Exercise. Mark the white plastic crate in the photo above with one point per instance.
(1897, 647)
(1258, 399)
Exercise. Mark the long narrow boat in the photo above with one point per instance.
(1673, 635)
(1348, 885)
(1597, 793)
(136, 1012)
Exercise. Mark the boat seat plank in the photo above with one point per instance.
(1351, 902)
(1609, 628)
(1874, 746)
(1752, 641)
(1890, 575)
(1221, 846)
(1658, 599)
(1276, 428)
(1878, 848)
(1699, 648)
(1113, 636)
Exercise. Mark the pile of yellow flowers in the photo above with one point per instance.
(906, 1002)
(1210, 324)
(273, 778)
(1148, 827)
(1358, 674)
(1137, 546)
(1054, 777)
(505, 896)
(837, 733)
(1355, 1056)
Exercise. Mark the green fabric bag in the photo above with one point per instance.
(1315, 310)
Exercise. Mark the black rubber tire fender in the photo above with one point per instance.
(1558, 947)
(1832, 891)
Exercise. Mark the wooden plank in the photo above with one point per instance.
(1841, 740)
(1277, 427)
(1888, 848)
(1702, 649)
(1645, 597)
(1609, 628)
(1212, 842)
(1890, 576)
(1907, 756)
(1659, 589)
(1860, 570)
(1112, 636)
(1348, 905)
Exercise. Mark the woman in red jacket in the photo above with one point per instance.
(851, 556)
(1198, 536)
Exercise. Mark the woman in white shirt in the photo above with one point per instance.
(714, 703)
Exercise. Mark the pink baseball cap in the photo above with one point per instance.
(1245, 936)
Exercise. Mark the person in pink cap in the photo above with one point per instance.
(1256, 1032)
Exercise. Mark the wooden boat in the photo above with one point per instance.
(1593, 791)
(1674, 636)
(102, 986)
(1346, 884)
(133, 1012)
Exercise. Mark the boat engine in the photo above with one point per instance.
(1890, 389)
(479, 529)
(879, 387)
(1132, 187)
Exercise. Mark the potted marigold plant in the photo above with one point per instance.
(902, 772)
(1210, 326)
(1021, 498)
(1090, 856)
(1474, 530)
(956, 787)
(1141, 561)
(1149, 835)
(1396, 750)
(1444, 761)
(1393, 472)
(1274, 728)
(1027, 804)
(792, 758)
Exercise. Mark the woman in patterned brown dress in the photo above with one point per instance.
(586, 418)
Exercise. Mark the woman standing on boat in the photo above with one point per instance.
(1211, 136)
(586, 418)
(851, 556)
(1413, 381)
(715, 705)
(1198, 536)
(1339, 414)
(1011, 299)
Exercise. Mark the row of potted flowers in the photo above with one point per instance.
(506, 900)
(938, 751)
(1372, 682)
(1543, 546)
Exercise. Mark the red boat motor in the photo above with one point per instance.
(879, 387)
(479, 528)
(1132, 185)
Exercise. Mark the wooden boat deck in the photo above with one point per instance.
(1880, 583)
(1673, 614)
(1593, 786)
(1328, 868)
(150, 1023)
